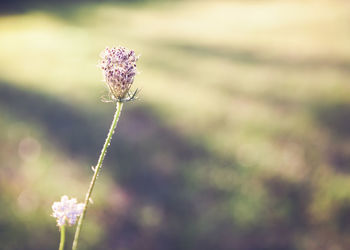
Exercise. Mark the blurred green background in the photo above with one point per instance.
(240, 140)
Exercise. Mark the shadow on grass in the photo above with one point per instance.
(335, 119)
(140, 135)
(21, 6)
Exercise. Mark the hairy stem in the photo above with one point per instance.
(96, 172)
(63, 237)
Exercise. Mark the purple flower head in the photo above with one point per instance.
(67, 210)
(119, 69)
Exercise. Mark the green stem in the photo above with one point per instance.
(63, 237)
(96, 170)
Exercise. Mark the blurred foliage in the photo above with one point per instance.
(20, 6)
(241, 138)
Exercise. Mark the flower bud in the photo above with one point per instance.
(119, 69)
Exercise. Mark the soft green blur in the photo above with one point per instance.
(240, 139)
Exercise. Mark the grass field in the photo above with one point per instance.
(240, 140)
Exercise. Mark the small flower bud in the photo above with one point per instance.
(119, 69)
(67, 210)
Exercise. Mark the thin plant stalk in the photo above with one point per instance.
(63, 237)
(96, 172)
